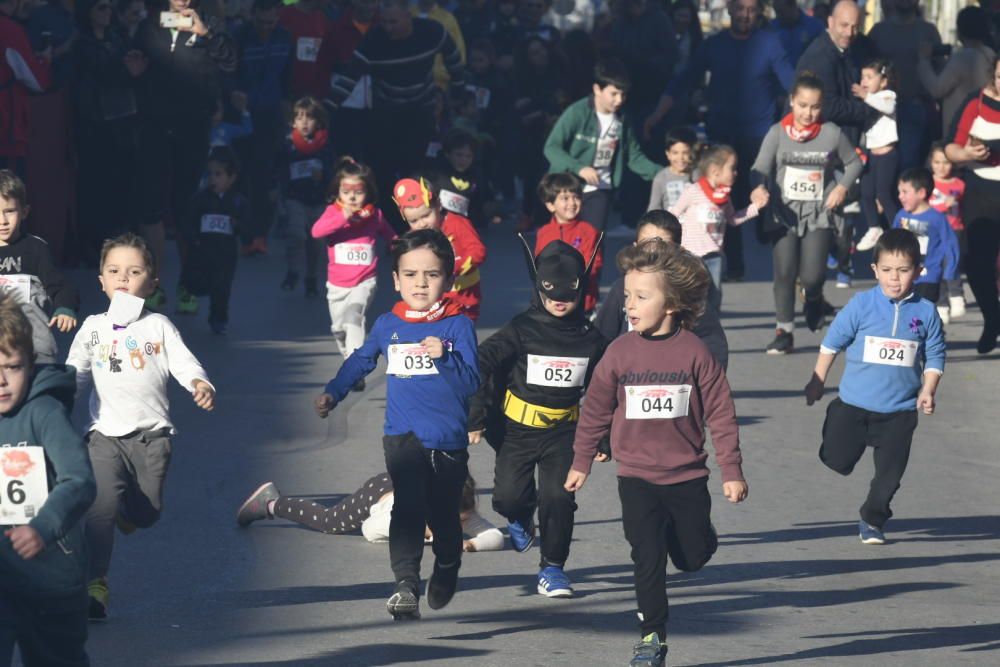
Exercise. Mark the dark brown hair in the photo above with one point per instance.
(130, 240)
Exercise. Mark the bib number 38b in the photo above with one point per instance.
(661, 401)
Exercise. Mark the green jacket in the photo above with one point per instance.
(573, 141)
(60, 570)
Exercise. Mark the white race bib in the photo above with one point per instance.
(710, 216)
(24, 485)
(924, 242)
(304, 169)
(454, 202)
(657, 401)
(354, 254)
(410, 359)
(674, 190)
(803, 184)
(890, 351)
(216, 224)
(549, 371)
(307, 49)
(17, 285)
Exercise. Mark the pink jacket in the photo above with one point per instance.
(351, 243)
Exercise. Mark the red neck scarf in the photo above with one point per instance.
(440, 310)
(307, 146)
(807, 133)
(718, 195)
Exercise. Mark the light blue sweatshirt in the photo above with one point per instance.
(878, 385)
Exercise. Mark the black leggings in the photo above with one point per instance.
(803, 258)
(982, 222)
(344, 517)
(878, 184)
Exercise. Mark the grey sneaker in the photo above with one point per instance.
(403, 604)
(869, 534)
(650, 652)
(254, 508)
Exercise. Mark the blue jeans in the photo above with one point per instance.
(713, 262)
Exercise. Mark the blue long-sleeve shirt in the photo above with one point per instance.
(796, 38)
(748, 75)
(434, 407)
(873, 379)
(938, 244)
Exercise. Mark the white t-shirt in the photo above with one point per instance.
(483, 534)
(129, 368)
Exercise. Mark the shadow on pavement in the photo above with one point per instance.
(937, 529)
(368, 655)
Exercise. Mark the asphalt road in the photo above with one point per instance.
(791, 583)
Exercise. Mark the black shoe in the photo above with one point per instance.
(813, 311)
(360, 386)
(403, 604)
(650, 652)
(290, 281)
(988, 341)
(783, 343)
(829, 309)
(310, 285)
(442, 584)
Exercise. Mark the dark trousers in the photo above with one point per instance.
(981, 213)
(50, 633)
(746, 152)
(171, 159)
(594, 209)
(344, 517)
(929, 291)
(428, 491)
(798, 257)
(397, 147)
(848, 430)
(209, 269)
(515, 495)
(878, 184)
(107, 183)
(262, 149)
(661, 520)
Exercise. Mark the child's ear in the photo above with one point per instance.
(550, 207)
(395, 281)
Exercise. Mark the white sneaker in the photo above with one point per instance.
(957, 304)
(870, 238)
(944, 314)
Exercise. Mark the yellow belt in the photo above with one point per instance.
(465, 281)
(535, 415)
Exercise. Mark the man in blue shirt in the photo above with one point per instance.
(795, 28)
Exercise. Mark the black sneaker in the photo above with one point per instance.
(442, 584)
(254, 508)
(813, 311)
(988, 340)
(650, 652)
(290, 281)
(403, 604)
(360, 386)
(829, 309)
(783, 343)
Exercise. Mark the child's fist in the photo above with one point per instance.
(26, 541)
(323, 404)
(475, 437)
(735, 492)
(760, 196)
(468, 546)
(433, 346)
(814, 390)
(575, 480)
(204, 395)
(64, 323)
(925, 403)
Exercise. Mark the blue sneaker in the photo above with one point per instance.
(650, 652)
(869, 534)
(521, 536)
(832, 262)
(553, 583)
(843, 280)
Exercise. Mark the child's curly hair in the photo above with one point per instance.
(683, 276)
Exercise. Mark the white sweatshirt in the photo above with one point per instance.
(129, 368)
(483, 534)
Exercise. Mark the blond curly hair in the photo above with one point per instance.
(683, 276)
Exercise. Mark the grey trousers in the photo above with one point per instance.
(130, 472)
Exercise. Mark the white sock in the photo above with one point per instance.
(788, 327)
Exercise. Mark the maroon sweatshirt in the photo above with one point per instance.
(656, 395)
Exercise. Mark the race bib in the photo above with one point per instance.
(433, 148)
(890, 351)
(674, 190)
(216, 224)
(18, 285)
(549, 371)
(924, 242)
(24, 485)
(710, 216)
(307, 49)
(658, 401)
(354, 254)
(482, 98)
(803, 184)
(607, 144)
(454, 202)
(304, 169)
(410, 359)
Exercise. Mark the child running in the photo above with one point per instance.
(655, 390)
(43, 559)
(705, 211)
(129, 354)
(420, 209)
(216, 216)
(432, 373)
(895, 354)
(879, 177)
(670, 182)
(541, 361)
(562, 194)
(350, 227)
(799, 162)
(947, 198)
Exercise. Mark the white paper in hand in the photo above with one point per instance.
(125, 308)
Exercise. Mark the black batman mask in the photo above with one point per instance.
(559, 272)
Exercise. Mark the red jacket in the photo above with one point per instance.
(582, 236)
(21, 72)
(469, 254)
